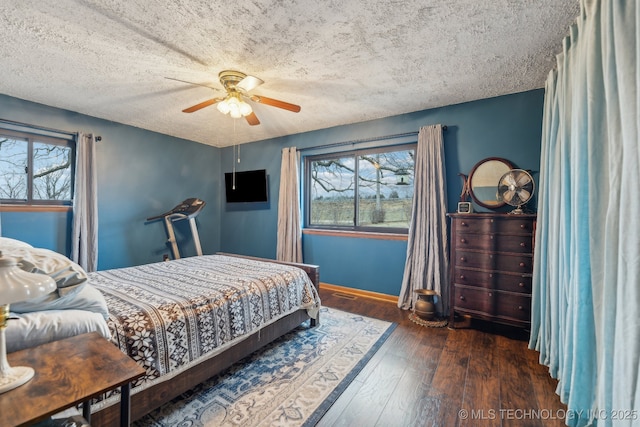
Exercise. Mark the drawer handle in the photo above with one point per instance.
(523, 244)
(522, 264)
(491, 237)
(520, 307)
(490, 275)
(523, 226)
(462, 298)
(464, 224)
(521, 284)
(490, 294)
(462, 277)
(463, 259)
(463, 240)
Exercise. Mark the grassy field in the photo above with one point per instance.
(392, 213)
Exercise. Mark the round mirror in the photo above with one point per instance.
(483, 181)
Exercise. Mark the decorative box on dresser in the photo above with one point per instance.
(491, 267)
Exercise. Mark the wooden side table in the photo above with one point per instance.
(68, 372)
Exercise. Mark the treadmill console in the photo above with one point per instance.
(189, 207)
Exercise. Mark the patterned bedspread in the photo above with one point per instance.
(168, 315)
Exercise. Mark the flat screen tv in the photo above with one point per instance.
(246, 186)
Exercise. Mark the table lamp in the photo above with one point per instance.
(17, 285)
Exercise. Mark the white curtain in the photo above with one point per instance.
(427, 263)
(84, 237)
(586, 296)
(289, 247)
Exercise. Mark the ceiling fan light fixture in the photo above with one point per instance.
(223, 106)
(245, 109)
(234, 106)
(235, 113)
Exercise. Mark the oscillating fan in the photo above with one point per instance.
(516, 188)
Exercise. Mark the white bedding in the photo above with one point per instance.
(31, 329)
(74, 308)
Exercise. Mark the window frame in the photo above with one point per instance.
(31, 138)
(355, 153)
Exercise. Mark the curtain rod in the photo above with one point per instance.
(43, 128)
(358, 141)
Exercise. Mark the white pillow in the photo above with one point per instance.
(32, 329)
(73, 291)
(6, 241)
(66, 273)
(87, 298)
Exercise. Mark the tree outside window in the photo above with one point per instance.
(364, 190)
(35, 170)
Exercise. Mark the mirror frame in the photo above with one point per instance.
(483, 162)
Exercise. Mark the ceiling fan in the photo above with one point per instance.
(238, 85)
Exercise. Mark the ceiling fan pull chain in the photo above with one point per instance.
(234, 156)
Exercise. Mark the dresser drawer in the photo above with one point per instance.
(491, 261)
(493, 303)
(495, 242)
(479, 225)
(506, 225)
(511, 306)
(475, 299)
(515, 224)
(493, 280)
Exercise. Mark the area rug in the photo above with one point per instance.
(291, 382)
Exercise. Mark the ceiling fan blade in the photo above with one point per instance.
(249, 83)
(192, 83)
(252, 119)
(202, 105)
(275, 103)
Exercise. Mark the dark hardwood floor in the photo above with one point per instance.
(476, 375)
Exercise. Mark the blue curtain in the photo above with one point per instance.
(586, 301)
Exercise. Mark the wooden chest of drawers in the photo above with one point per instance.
(491, 267)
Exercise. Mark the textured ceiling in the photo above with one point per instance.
(341, 61)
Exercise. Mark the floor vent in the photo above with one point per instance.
(345, 296)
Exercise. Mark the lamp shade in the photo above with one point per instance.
(19, 285)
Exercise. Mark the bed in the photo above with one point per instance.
(171, 319)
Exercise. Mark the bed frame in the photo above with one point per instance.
(153, 397)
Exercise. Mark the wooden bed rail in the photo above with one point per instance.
(313, 271)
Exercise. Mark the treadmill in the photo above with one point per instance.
(188, 209)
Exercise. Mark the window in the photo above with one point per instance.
(365, 190)
(35, 170)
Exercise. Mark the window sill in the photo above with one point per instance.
(355, 234)
(35, 208)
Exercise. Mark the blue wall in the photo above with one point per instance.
(142, 174)
(508, 126)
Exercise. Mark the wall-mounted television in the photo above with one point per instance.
(246, 186)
